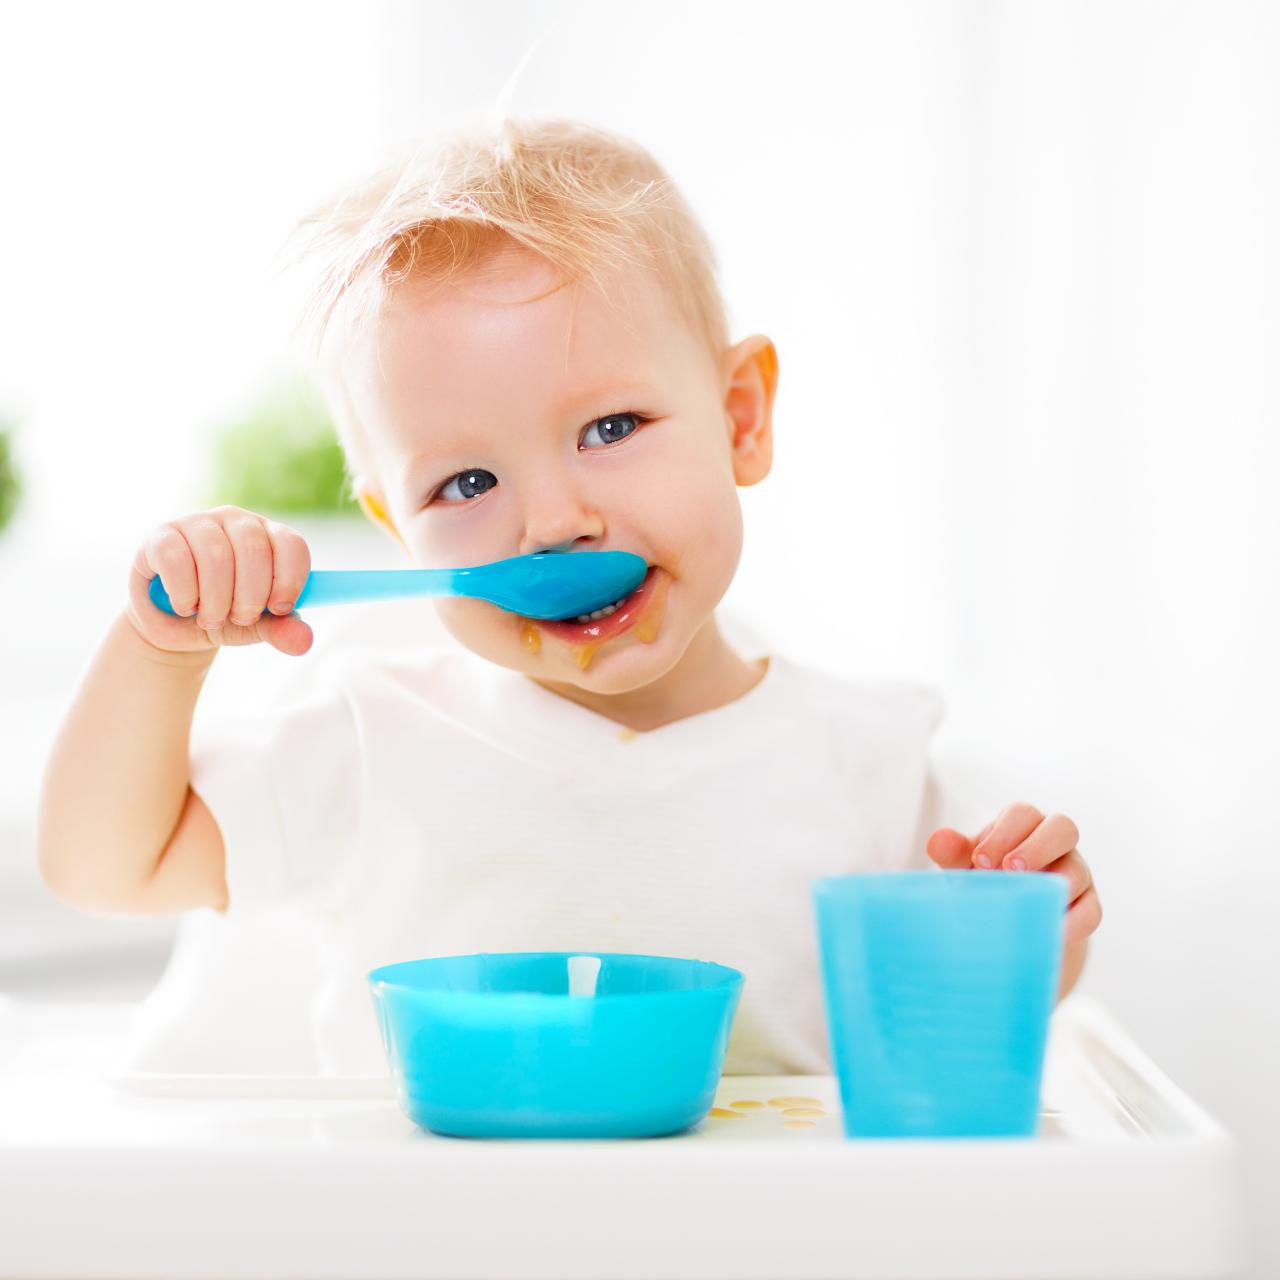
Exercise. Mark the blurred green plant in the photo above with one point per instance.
(282, 458)
(10, 481)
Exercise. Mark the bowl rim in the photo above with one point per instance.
(726, 977)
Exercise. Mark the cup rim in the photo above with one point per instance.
(725, 977)
(861, 883)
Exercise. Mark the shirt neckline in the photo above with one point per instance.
(550, 719)
(612, 728)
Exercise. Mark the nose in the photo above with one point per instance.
(556, 520)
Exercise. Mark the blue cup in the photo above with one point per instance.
(555, 1044)
(939, 986)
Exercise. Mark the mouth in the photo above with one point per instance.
(610, 620)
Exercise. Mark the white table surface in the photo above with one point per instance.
(192, 1178)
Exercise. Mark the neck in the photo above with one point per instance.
(709, 675)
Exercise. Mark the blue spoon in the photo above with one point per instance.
(547, 584)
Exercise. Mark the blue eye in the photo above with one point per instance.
(470, 484)
(608, 429)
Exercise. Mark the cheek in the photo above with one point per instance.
(452, 542)
(697, 514)
(474, 624)
(684, 469)
(465, 613)
(720, 534)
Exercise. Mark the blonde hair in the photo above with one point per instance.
(582, 198)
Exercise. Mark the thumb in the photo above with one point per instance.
(949, 849)
(289, 633)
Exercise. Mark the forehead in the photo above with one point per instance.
(512, 335)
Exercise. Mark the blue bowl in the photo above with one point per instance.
(555, 1044)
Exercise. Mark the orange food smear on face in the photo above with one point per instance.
(645, 627)
(794, 1102)
(650, 621)
(583, 653)
(804, 1111)
(747, 1104)
(728, 1115)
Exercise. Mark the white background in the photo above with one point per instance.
(1020, 264)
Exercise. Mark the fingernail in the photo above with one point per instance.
(1016, 863)
(981, 860)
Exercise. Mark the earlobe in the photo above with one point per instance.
(752, 376)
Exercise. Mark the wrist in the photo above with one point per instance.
(1073, 958)
(179, 659)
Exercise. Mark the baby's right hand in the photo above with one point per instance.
(225, 567)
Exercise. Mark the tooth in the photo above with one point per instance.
(596, 614)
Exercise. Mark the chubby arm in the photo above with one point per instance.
(118, 828)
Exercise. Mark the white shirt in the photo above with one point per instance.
(428, 804)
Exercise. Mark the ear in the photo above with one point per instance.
(372, 504)
(751, 374)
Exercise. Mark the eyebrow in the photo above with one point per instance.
(622, 390)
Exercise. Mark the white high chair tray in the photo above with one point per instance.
(124, 1177)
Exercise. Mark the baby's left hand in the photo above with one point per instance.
(1021, 838)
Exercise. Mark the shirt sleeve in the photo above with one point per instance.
(283, 787)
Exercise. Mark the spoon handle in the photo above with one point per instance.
(350, 586)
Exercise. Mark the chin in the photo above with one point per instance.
(614, 668)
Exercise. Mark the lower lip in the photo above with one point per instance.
(602, 629)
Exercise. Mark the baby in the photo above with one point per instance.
(523, 344)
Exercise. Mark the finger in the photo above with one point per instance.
(1054, 837)
(952, 849)
(165, 557)
(215, 569)
(1076, 871)
(949, 849)
(164, 551)
(292, 565)
(251, 548)
(289, 634)
(1013, 825)
(1084, 916)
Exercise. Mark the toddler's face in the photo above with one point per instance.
(499, 426)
